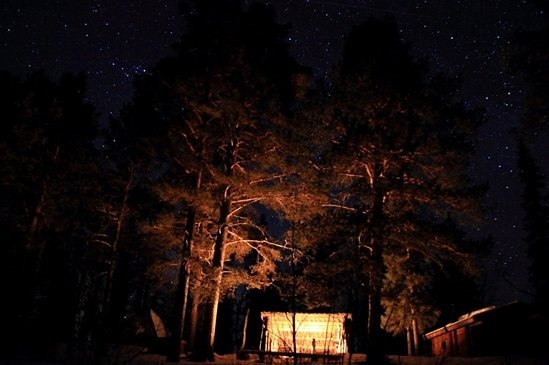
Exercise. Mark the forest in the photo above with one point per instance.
(236, 182)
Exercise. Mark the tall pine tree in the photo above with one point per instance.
(400, 145)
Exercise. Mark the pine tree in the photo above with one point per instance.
(536, 221)
(48, 186)
(398, 159)
(528, 57)
(215, 112)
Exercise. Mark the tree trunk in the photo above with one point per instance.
(116, 241)
(38, 218)
(409, 341)
(244, 330)
(204, 346)
(193, 320)
(105, 315)
(182, 291)
(294, 336)
(32, 243)
(218, 261)
(415, 333)
(375, 350)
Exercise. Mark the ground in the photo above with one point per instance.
(356, 359)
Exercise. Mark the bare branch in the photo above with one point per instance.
(268, 179)
(265, 242)
(340, 207)
(102, 242)
(187, 142)
(251, 201)
(249, 225)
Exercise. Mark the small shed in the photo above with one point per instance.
(511, 329)
(315, 333)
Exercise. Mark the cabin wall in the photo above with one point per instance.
(452, 343)
(511, 330)
(315, 333)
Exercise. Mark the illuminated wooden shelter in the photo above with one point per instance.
(315, 333)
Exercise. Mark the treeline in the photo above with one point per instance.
(233, 175)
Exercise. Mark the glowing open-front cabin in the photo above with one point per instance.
(315, 333)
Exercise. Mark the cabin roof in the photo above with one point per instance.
(474, 317)
(306, 316)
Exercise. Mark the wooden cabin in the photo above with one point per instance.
(315, 333)
(511, 329)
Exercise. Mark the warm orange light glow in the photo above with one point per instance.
(319, 333)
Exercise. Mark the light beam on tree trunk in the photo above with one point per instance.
(182, 291)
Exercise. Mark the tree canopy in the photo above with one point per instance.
(231, 170)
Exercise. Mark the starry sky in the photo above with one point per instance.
(114, 40)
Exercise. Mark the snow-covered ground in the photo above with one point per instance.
(359, 359)
(356, 359)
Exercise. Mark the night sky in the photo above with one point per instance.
(113, 40)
